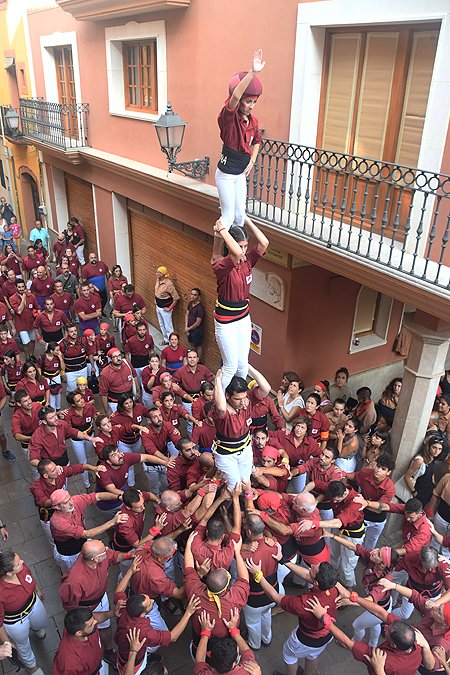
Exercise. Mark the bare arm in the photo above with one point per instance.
(219, 395)
(263, 384)
(263, 242)
(257, 65)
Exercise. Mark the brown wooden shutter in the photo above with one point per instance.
(80, 203)
(187, 256)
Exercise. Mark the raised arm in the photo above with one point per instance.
(219, 395)
(263, 384)
(257, 65)
(263, 242)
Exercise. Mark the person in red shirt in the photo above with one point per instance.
(6, 320)
(174, 356)
(63, 299)
(53, 477)
(88, 308)
(7, 343)
(88, 341)
(157, 438)
(125, 300)
(116, 282)
(320, 424)
(216, 595)
(31, 261)
(151, 378)
(34, 383)
(21, 608)
(191, 377)
(176, 474)
(128, 533)
(405, 648)
(116, 378)
(103, 343)
(241, 139)
(80, 651)
(300, 447)
(312, 635)
(97, 272)
(172, 412)
(107, 433)
(193, 321)
(25, 419)
(231, 655)
(51, 365)
(138, 348)
(321, 472)
(204, 435)
(167, 384)
(72, 261)
(231, 314)
(25, 307)
(59, 247)
(42, 286)
(273, 473)
(198, 406)
(12, 373)
(80, 416)
(50, 322)
(9, 285)
(75, 357)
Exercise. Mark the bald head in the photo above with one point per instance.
(170, 499)
(206, 460)
(255, 525)
(217, 580)
(92, 548)
(305, 502)
(163, 547)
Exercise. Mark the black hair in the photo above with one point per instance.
(413, 505)
(51, 346)
(207, 407)
(106, 451)
(303, 420)
(197, 290)
(20, 394)
(43, 412)
(238, 233)
(446, 398)
(334, 450)
(70, 396)
(356, 423)
(364, 392)
(254, 523)
(130, 496)
(385, 461)
(224, 653)
(326, 577)
(128, 288)
(206, 386)
(237, 386)
(336, 489)
(182, 442)
(315, 397)
(215, 529)
(402, 635)
(135, 605)
(3, 328)
(121, 398)
(339, 401)
(10, 353)
(165, 394)
(43, 465)
(344, 370)
(141, 323)
(76, 619)
(7, 558)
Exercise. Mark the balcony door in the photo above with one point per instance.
(373, 104)
(66, 90)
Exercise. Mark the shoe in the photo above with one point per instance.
(110, 657)
(41, 634)
(9, 456)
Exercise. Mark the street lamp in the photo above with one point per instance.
(12, 121)
(170, 131)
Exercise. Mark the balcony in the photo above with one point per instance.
(391, 218)
(105, 10)
(60, 126)
(8, 127)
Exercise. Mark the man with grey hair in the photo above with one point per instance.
(427, 573)
(258, 610)
(86, 584)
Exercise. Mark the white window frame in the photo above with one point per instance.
(378, 336)
(48, 43)
(114, 39)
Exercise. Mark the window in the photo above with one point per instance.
(137, 69)
(140, 76)
(65, 81)
(371, 320)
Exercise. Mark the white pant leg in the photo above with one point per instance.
(47, 532)
(298, 483)
(64, 562)
(139, 375)
(71, 378)
(282, 573)
(365, 621)
(348, 562)
(235, 466)
(124, 447)
(165, 322)
(245, 462)
(80, 254)
(103, 606)
(189, 425)
(147, 399)
(20, 632)
(55, 401)
(81, 450)
(373, 533)
(240, 199)
(233, 341)
(227, 187)
(259, 624)
(157, 622)
(156, 478)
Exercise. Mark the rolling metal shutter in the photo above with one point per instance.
(80, 203)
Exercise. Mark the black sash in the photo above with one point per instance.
(70, 547)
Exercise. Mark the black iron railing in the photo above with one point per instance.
(10, 127)
(395, 216)
(63, 125)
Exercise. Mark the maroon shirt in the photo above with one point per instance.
(415, 535)
(76, 657)
(117, 477)
(36, 389)
(29, 264)
(128, 533)
(308, 624)
(149, 380)
(221, 555)
(51, 325)
(157, 439)
(151, 579)
(320, 424)
(88, 305)
(13, 597)
(348, 511)
(42, 490)
(176, 475)
(43, 287)
(122, 419)
(236, 132)
(104, 344)
(298, 454)
(89, 271)
(86, 584)
(65, 526)
(24, 321)
(22, 423)
(83, 422)
(5, 346)
(116, 380)
(192, 381)
(44, 443)
(4, 313)
(429, 582)
(125, 305)
(138, 349)
(63, 302)
(234, 278)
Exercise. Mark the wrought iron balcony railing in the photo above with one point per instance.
(394, 216)
(7, 125)
(62, 125)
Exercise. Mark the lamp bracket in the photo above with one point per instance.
(196, 168)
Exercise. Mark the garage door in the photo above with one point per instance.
(186, 253)
(80, 204)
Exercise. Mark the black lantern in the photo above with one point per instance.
(12, 121)
(170, 130)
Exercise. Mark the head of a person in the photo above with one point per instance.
(393, 388)
(352, 426)
(364, 394)
(325, 576)
(295, 387)
(269, 456)
(321, 388)
(384, 466)
(163, 549)
(29, 370)
(207, 391)
(301, 427)
(312, 403)
(304, 503)
(9, 357)
(89, 334)
(9, 249)
(444, 404)
(134, 500)
(75, 399)
(337, 491)
(11, 276)
(429, 557)
(53, 348)
(269, 502)
(85, 290)
(240, 236)
(68, 253)
(49, 305)
(174, 340)
(31, 251)
(80, 622)
(341, 377)
(166, 380)
(195, 295)
(62, 501)
(94, 551)
(116, 271)
(171, 501)
(93, 258)
(48, 416)
(141, 329)
(384, 558)
(288, 377)
(154, 361)
(381, 438)
(338, 406)
(47, 468)
(155, 417)
(23, 400)
(38, 224)
(237, 393)
(115, 357)
(187, 449)
(3, 332)
(215, 530)
(10, 563)
(112, 455)
(162, 272)
(61, 237)
(223, 655)
(20, 285)
(192, 357)
(218, 581)
(432, 447)
(254, 526)
(260, 438)
(167, 400)
(82, 385)
(59, 287)
(125, 403)
(328, 456)
(139, 605)
(41, 272)
(413, 510)
(103, 423)
(401, 635)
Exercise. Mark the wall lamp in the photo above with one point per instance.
(170, 131)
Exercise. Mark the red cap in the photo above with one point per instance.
(254, 88)
(88, 332)
(104, 325)
(270, 451)
(112, 351)
(59, 496)
(128, 317)
(269, 500)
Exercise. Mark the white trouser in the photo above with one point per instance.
(147, 399)
(47, 531)
(157, 622)
(298, 483)
(71, 378)
(82, 449)
(365, 621)
(135, 447)
(80, 254)
(64, 562)
(443, 528)
(19, 632)
(173, 452)
(347, 562)
(112, 406)
(347, 464)
(232, 189)
(189, 425)
(156, 478)
(233, 340)
(293, 650)
(103, 606)
(259, 624)
(165, 322)
(139, 375)
(235, 466)
(55, 401)
(373, 533)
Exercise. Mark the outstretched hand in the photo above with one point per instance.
(258, 63)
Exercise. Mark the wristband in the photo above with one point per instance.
(62, 372)
(234, 631)
(205, 632)
(354, 597)
(128, 556)
(328, 621)
(154, 531)
(285, 460)
(249, 494)
(264, 516)
(258, 576)
(3, 527)
(201, 492)
(133, 650)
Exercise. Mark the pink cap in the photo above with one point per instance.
(112, 351)
(59, 496)
(88, 332)
(270, 451)
(104, 325)
(128, 317)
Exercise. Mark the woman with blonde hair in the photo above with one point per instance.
(166, 297)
